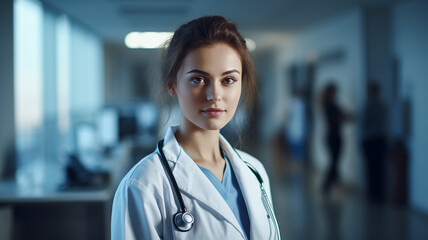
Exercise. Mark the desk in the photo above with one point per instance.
(82, 216)
(70, 214)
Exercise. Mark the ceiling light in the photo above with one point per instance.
(147, 40)
(152, 40)
(251, 45)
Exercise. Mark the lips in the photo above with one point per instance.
(213, 112)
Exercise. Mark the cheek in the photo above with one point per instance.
(236, 95)
(181, 90)
(233, 98)
(188, 99)
(188, 95)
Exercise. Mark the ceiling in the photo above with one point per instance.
(113, 19)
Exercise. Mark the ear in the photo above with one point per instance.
(171, 90)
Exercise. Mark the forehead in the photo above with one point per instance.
(218, 57)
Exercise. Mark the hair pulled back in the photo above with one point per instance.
(202, 32)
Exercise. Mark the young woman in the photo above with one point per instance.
(196, 185)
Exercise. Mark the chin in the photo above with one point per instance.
(213, 125)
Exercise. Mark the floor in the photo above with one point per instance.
(303, 212)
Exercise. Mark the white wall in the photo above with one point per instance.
(342, 33)
(273, 94)
(411, 38)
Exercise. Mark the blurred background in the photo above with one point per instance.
(339, 121)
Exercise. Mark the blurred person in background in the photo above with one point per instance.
(374, 142)
(334, 116)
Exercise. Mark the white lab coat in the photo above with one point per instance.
(144, 203)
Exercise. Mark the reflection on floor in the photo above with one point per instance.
(303, 212)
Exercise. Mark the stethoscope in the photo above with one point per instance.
(183, 220)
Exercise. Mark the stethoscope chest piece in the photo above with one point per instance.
(183, 221)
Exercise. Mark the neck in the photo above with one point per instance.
(202, 145)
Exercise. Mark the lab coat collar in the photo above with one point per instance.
(250, 188)
(192, 181)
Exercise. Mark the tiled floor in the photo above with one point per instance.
(304, 213)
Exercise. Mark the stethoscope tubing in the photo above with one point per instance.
(171, 178)
(265, 199)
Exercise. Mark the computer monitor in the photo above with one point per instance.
(108, 127)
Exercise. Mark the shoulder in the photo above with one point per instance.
(146, 174)
(136, 209)
(248, 157)
(255, 163)
(259, 167)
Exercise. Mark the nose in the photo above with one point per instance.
(214, 92)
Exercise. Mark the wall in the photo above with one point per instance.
(7, 119)
(130, 74)
(336, 48)
(378, 49)
(273, 94)
(410, 45)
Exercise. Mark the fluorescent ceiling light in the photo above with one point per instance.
(251, 45)
(152, 40)
(147, 40)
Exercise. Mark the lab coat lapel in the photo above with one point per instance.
(250, 188)
(192, 181)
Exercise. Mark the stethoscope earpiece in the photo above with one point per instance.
(183, 221)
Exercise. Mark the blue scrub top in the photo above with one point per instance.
(231, 192)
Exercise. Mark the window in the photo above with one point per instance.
(58, 84)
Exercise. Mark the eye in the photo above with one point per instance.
(229, 80)
(197, 80)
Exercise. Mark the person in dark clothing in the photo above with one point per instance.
(374, 124)
(334, 119)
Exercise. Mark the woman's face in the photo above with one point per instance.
(208, 86)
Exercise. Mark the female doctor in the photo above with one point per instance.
(196, 185)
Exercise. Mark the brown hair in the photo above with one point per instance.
(207, 31)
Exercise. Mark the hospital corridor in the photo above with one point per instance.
(305, 213)
(335, 111)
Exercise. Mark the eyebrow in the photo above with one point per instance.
(207, 74)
